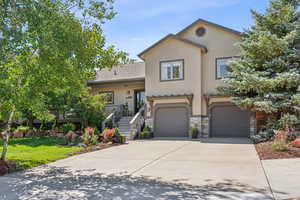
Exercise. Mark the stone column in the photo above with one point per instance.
(195, 121)
(252, 124)
(205, 126)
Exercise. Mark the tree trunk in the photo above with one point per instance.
(7, 133)
(30, 122)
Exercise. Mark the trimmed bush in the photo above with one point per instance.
(68, 127)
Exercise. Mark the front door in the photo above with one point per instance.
(139, 99)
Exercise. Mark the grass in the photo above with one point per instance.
(34, 151)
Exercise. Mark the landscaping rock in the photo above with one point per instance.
(82, 145)
(39, 133)
(79, 133)
(71, 136)
(3, 168)
(11, 166)
(296, 143)
(18, 134)
(30, 133)
(43, 133)
(52, 133)
(60, 135)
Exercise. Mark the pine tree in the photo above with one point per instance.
(267, 76)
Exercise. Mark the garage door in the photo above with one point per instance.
(171, 122)
(229, 121)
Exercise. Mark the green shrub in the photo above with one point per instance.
(295, 133)
(142, 135)
(195, 132)
(68, 127)
(97, 132)
(288, 121)
(23, 128)
(146, 133)
(279, 147)
(147, 128)
(109, 124)
(263, 136)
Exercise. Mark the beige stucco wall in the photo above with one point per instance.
(213, 100)
(172, 49)
(220, 43)
(122, 93)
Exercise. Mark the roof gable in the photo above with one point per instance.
(202, 47)
(177, 36)
(211, 24)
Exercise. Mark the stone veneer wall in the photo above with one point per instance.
(202, 123)
(253, 124)
(195, 121)
(204, 126)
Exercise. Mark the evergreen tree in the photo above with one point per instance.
(267, 76)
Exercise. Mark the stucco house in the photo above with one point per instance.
(177, 83)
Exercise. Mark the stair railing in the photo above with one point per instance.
(114, 117)
(137, 123)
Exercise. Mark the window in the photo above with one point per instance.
(109, 97)
(222, 67)
(171, 70)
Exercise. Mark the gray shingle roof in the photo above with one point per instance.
(134, 71)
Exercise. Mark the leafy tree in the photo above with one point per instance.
(266, 78)
(49, 47)
(89, 108)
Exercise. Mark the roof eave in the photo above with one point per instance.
(213, 24)
(93, 82)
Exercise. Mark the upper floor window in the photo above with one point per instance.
(171, 70)
(222, 67)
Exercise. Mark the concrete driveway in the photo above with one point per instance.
(283, 176)
(154, 169)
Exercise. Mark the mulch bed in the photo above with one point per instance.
(266, 152)
(98, 147)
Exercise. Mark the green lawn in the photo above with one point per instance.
(34, 151)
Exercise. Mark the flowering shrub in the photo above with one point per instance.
(113, 135)
(89, 137)
(89, 130)
(108, 135)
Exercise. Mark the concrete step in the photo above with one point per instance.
(123, 123)
(124, 131)
(126, 118)
(127, 129)
(124, 127)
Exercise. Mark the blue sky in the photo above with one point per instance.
(140, 23)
